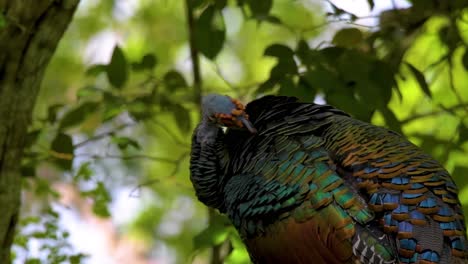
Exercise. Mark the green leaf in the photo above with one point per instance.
(306, 92)
(22, 241)
(124, 142)
(220, 4)
(443, 34)
(90, 91)
(371, 4)
(450, 36)
(279, 51)
(260, 8)
(431, 144)
(336, 10)
(348, 37)
(301, 90)
(62, 145)
(216, 233)
(344, 99)
(33, 261)
(84, 172)
(211, 236)
(96, 69)
(391, 120)
(30, 220)
(382, 77)
(42, 187)
(286, 64)
(210, 32)
(462, 133)
(28, 169)
(117, 69)
(52, 112)
(465, 59)
(77, 258)
(322, 79)
(174, 80)
(375, 81)
(287, 87)
(182, 118)
(140, 110)
(273, 20)
(420, 79)
(460, 174)
(52, 213)
(196, 3)
(302, 49)
(32, 137)
(101, 198)
(99, 192)
(267, 86)
(353, 66)
(331, 54)
(113, 106)
(100, 209)
(283, 68)
(148, 62)
(239, 254)
(78, 115)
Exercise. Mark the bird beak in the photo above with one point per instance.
(248, 124)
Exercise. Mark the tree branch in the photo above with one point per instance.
(27, 42)
(197, 80)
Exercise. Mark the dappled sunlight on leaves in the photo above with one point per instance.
(126, 123)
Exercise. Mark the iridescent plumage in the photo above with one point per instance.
(314, 185)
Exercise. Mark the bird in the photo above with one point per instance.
(307, 183)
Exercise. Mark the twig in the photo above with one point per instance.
(102, 135)
(452, 83)
(329, 22)
(360, 25)
(172, 135)
(233, 88)
(437, 62)
(177, 164)
(216, 257)
(433, 113)
(129, 157)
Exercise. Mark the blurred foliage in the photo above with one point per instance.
(119, 100)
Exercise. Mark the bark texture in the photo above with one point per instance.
(27, 41)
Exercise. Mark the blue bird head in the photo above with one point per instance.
(225, 111)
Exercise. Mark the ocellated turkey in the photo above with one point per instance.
(306, 183)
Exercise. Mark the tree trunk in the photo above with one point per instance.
(28, 38)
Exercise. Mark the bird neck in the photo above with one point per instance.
(207, 165)
(207, 132)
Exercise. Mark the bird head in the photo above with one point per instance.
(225, 111)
